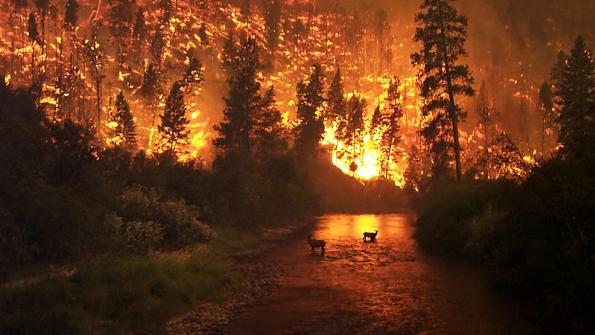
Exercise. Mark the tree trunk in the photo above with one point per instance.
(452, 106)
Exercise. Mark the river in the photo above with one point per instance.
(386, 287)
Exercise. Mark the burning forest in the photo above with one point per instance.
(174, 137)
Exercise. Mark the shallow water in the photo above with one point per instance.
(384, 287)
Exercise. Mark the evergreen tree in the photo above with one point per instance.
(355, 129)
(548, 118)
(139, 33)
(574, 87)
(310, 126)
(157, 45)
(442, 33)
(34, 38)
(272, 18)
(336, 110)
(391, 126)
(484, 114)
(270, 138)
(202, 33)
(42, 7)
(243, 100)
(120, 16)
(193, 76)
(151, 90)
(414, 174)
(71, 15)
(125, 129)
(95, 54)
(173, 121)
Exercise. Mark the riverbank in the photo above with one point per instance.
(146, 294)
(534, 236)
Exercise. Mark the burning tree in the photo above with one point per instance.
(504, 160)
(442, 33)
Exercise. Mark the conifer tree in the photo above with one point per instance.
(151, 90)
(574, 87)
(336, 106)
(95, 54)
(173, 127)
(34, 38)
(355, 129)
(548, 117)
(193, 76)
(442, 34)
(157, 45)
(125, 129)
(120, 16)
(243, 100)
(272, 17)
(391, 126)
(310, 127)
(71, 14)
(270, 138)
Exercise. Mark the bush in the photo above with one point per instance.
(179, 221)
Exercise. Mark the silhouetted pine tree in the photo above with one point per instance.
(120, 16)
(34, 38)
(442, 33)
(71, 14)
(391, 126)
(157, 45)
(310, 127)
(574, 88)
(125, 129)
(151, 90)
(548, 117)
(95, 54)
(270, 136)
(272, 17)
(173, 121)
(139, 33)
(355, 128)
(243, 100)
(336, 110)
(193, 76)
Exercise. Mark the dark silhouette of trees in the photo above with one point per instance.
(243, 100)
(151, 90)
(356, 108)
(336, 111)
(173, 121)
(33, 34)
(95, 56)
(310, 126)
(442, 34)
(548, 117)
(270, 136)
(193, 77)
(391, 122)
(125, 130)
(272, 17)
(120, 16)
(574, 89)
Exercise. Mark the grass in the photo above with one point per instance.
(114, 295)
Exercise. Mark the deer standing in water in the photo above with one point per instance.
(371, 236)
(316, 244)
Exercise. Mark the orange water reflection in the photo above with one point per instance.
(343, 226)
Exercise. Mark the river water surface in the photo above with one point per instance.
(385, 287)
